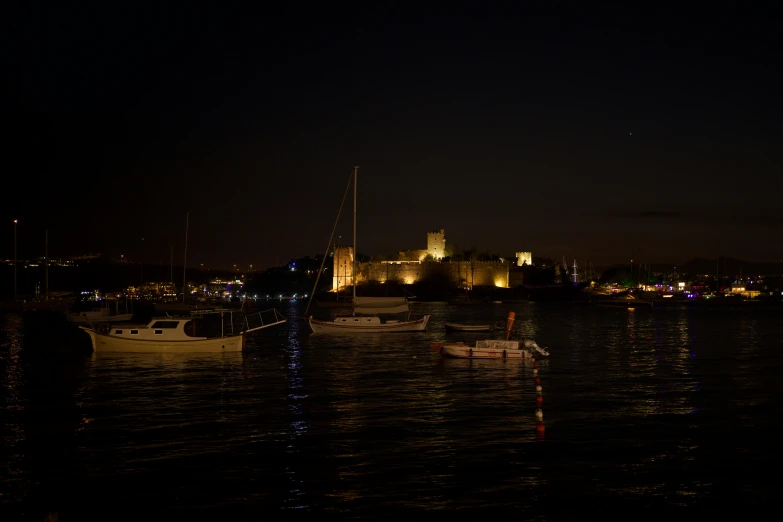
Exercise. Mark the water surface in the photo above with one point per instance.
(647, 412)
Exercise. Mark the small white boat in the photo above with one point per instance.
(103, 314)
(457, 327)
(367, 324)
(179, 334)
(490, 349)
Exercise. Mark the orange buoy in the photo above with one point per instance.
(540, 427)
(509, 323)
(534, 364)
(538, 381)
(539, 400)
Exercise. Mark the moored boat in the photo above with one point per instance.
(490, 349)
(358, 323)
(179, 334)
(367, 324)
(102, 314)
(457, 327)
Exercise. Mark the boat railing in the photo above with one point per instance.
(263, 319)
(249, 322)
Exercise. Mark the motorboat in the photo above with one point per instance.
(492, 348)
(181, 334)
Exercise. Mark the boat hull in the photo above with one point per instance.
(350, 325)
(491, 349)
(107, 343)
(468, 327)
(463, 351)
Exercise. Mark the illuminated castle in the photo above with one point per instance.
(411, 266)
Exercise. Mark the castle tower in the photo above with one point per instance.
(524, 257)
(343, 267)
(436, 244)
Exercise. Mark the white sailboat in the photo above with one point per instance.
(369, 305)
(103, 314)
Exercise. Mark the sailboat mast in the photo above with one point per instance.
(355, 251)
(185, 260)
(46, 263)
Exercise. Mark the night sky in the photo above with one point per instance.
(563, 130)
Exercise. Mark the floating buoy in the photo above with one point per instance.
(534, 363)
(509, 323)
(539, 400)
(540, 427)
(538, 381)
(538, 389)
(539, 415)
(535, 372)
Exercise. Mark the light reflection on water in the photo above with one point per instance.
(637, 406)
(13, 376)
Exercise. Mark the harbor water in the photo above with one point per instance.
(646, 413)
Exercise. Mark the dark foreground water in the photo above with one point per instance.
(647, 413)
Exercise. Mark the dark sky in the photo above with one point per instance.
(563, 130)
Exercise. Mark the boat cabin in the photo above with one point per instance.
(164, 329)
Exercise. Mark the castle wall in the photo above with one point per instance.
(516, 278)
(461, 273)
(403, 272)
(480, 273)
(343, 267)
(411, 255)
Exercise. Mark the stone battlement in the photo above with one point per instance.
(410, 267)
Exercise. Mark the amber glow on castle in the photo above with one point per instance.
(410, 266)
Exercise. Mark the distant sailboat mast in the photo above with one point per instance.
(326, 254)
(576, 273)
(46, 263)
(185, 260)
(355, 252)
